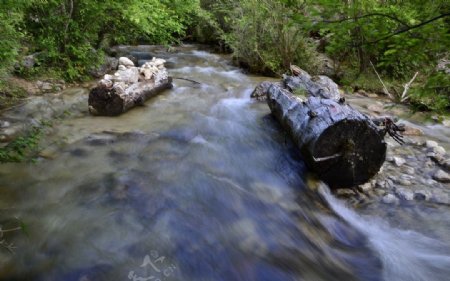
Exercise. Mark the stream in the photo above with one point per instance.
(198, 184)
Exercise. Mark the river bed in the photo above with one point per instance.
(200, 183)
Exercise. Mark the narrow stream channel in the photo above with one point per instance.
(200, 184)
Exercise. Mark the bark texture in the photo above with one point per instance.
(114, 100)
(340, 144)
(128, 87)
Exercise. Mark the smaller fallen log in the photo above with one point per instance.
(340, 144)
(128, 87)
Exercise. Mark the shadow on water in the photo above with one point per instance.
(199, 184)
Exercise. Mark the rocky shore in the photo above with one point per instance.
(417, 170)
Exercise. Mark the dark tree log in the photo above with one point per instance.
(114, 100)
(341, 145)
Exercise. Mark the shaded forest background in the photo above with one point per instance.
(347, 40)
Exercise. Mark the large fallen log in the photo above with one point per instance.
(341, 145)
(128, 87)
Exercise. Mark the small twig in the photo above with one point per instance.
(382, 83)
(186, 79)
(320, 159)
(406, 88)
(11, 229)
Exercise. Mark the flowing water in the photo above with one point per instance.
(198, 184)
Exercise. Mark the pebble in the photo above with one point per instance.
(100, 139)
(422, 195)
(431, 144)
(441, 197)
(4, 124)
(365, 187)
(409, 170)
(446, 122)
(411, 131)
(398, 161)
(381, 184)
(439, 150)
(390, 199)
(441, 176)
(345, 192)
(404, 194)
(428, 182)
(404, 182)
(377, 108)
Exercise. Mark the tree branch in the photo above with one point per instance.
(407, 29)
(367, 16)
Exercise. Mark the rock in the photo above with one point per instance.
(101, 139)
(380, 184)
(422, 195)
(376, 107)
(362, 92)
(129, 75)
(441, 176)
(411, 131)
(105, 83)
(431, 144)
(390, 199)
(4, 124)
(366, 187)
(404, 193)
(121, 67)
(260, 91)
(439, 150)
(8, 134)
(441, 197)
(428, 182)
(409, 170)
(446, 122)
(46, 87)
(445, 163)
(29, 61)
(126, 62)
(404, 182)
(345, 192)
(428, 163)
(110, 64)
(398, 161)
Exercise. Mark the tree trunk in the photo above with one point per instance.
(114, 100)
(343, 146)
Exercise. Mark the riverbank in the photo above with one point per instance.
(199, 175)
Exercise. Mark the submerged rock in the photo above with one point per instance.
(441, 176)
(390, 199)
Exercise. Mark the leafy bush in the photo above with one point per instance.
(23, 147)
(264, 37)
(69, 33)
(433, 93)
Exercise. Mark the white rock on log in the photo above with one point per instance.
(125, 62)
(129, 75)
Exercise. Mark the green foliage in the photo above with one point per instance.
(11, 32)
(22, 148)
(10, 94)
(5, 244)
(433, 93)
(264, 37)
(69, 33)
(388, 33)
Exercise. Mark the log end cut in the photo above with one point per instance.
(105, 101)
(347, 153)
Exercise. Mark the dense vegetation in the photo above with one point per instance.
(395, 38)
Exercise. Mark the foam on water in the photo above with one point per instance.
(405, 254)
